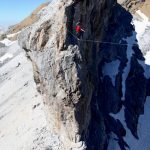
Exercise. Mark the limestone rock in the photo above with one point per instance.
(80, 96)
(62, 66)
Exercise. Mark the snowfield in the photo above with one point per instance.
(142, 29)
(143, 130)
(22, 119)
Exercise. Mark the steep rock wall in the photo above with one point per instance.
(81, 94)
(64, 68)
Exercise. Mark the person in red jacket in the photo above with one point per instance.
(79, 30)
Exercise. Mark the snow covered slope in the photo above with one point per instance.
(142, 31)
(22, 120)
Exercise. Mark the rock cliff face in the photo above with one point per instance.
(81, 94)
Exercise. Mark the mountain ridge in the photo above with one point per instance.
(27, 21)
(95, 88)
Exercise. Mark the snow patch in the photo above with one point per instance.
(145, 67)
(21, 107)
(130, 41)
(113, 144)
(143, 16)
(143, 129)
(129, 139)
(5, 57)
(147, 58)
(7, 42)
(111, 70)
(119, 115)
(12, 35)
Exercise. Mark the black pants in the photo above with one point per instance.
(76, 1)
(79, 34)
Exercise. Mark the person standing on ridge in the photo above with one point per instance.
(79, 30)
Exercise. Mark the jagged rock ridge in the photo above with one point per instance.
(66, 84)
(80, 93)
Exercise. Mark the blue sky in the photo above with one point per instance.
(13, 11)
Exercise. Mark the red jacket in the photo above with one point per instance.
(78, 29)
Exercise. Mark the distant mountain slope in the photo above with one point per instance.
(2, 30)
(27, 21)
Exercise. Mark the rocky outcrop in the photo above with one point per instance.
(132, 5)
(80, 93)
(63, 66)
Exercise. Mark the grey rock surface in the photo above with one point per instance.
(78, 94)
(63, 74)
